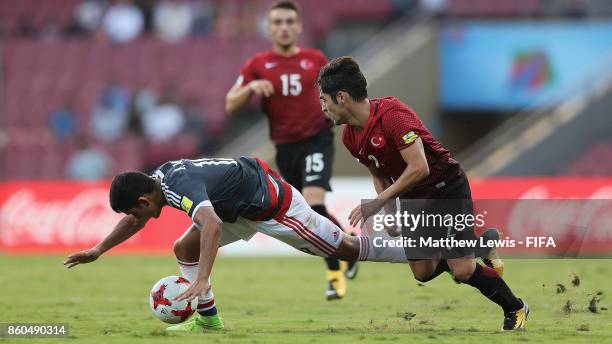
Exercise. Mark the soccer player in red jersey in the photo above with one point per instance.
(285, 79)
(406, 161)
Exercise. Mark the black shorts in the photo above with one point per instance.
(453, 201)
(307, 162)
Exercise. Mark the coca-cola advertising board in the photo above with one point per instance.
(63, 216)
(59, 216)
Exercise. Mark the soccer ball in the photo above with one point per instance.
(163, 305)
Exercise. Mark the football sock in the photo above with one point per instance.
(206, 301)
(368, 251)
(333, 264)
(494, 288)
(207, 309)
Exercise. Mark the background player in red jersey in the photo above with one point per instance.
(406, 161)
(285, 78)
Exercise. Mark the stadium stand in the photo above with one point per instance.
(45, 66)
(44, 72)
(36, 83)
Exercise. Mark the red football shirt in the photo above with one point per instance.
(392, 127)
(294, 111)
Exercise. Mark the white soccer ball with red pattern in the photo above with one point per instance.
(163, 305)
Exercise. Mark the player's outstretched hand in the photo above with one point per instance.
(82, 257)
(355, 217)
(195, 289)
(362, 212)
(262, 87)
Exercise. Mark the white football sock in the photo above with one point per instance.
(189, 270)
(370, 252)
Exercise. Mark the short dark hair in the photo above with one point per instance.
(343, 74)
(127, 187)
(287, 5)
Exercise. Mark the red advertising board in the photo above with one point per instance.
(575, 212)
(63, 216)
(60, 216)
(541, 188)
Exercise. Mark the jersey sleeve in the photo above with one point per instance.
(247, 73)
(401, 127)
(184, 193)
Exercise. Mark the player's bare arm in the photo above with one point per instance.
(210, 235)
(125, 228)
(380, 181)
(416, 170)
(239, 95)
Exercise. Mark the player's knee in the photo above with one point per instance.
(462, 273)
(422, 276)
(314, 195)
(312, 200)
(422, 270)
(179, 249)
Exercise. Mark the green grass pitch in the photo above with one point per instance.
(281, 300)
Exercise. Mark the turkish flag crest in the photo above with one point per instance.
(377, 141)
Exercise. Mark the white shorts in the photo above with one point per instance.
(301, 227)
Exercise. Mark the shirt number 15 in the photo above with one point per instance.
(291, 84)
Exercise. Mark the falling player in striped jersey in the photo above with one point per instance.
(228, 200)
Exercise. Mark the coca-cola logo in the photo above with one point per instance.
(83, 219)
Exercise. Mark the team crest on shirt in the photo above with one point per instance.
(410, 137)
(377, 141)
(186, 204)
(306, 64)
